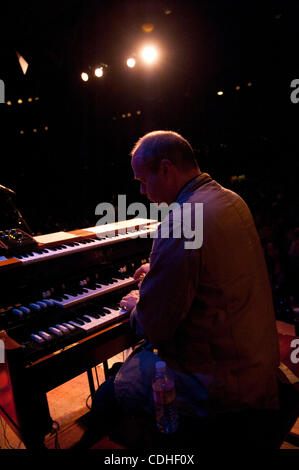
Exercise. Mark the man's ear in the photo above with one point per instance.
(165, 165)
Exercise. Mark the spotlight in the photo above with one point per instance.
(84, 76)
(23, 63)
(131, 62)
(9, 103)
(99, 72)
(149, 54)
(20, 101)
(147, 27)
(220, 93)
(29, 100)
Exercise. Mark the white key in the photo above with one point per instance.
(69, 326)
(55, 331)
(62, 328)
(45, 335)
(91, 293)
(37, 339)
(42, 304)
(35, 307)
(35, 257)
(18, 312)
(96, 322)
(49, 302)
(25, 309)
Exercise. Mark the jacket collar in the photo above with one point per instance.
(188, 189)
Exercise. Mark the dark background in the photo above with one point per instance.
(62, 173)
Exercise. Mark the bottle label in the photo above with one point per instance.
(164, 397)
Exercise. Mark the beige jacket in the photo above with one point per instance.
(209, 311)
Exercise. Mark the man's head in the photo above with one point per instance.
(163, 161)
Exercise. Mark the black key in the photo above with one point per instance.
(95, 315)
(106, 310)
(92, 287)
(115, 306)
(86, 319)
(57, 297)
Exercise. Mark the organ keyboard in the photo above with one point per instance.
(60, 313)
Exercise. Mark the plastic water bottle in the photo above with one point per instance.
(164, 398)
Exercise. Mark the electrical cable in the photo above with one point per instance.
(87, 405)
(97, 376)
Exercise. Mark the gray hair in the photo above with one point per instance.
(156, 145)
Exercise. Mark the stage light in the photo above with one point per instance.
(149, 54)
(46, 128)
(23, 63)
(9, 103)
(131, 62)
(138, 112)
(249, 84)
(99, 72)
(238, 87)
(123, 116)
(20, 101)
(29, 100)
(220, 93)
(147, 27)
(21, 131)
(35, 131)
(129, 114)
(84, 76)
(36, 98)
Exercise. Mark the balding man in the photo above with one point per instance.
(207, 310)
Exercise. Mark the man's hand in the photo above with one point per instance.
(141, 272)
(130, 300)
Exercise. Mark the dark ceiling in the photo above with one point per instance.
(206, 46)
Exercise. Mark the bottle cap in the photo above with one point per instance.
(160, 366)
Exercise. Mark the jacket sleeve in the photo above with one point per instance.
(168, 289)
